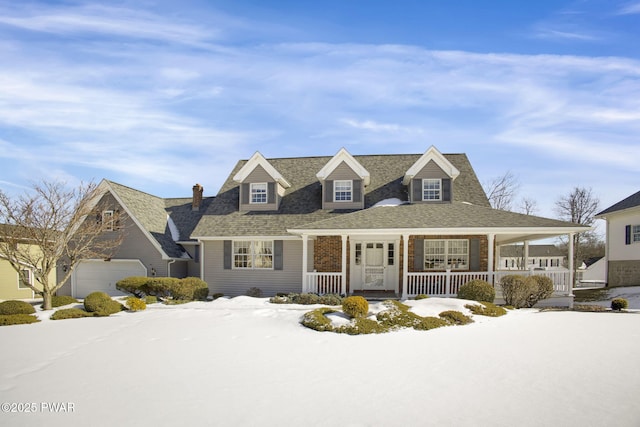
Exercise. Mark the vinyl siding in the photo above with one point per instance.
(343, 172)
(232, 282)
(259, 175)
(618, 250)
(9, 283)
(430, 171)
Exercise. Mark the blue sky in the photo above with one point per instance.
(160, 95)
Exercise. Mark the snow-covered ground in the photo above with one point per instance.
(246, 362)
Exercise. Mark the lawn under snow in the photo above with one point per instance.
(246, 362)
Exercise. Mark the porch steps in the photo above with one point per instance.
(377, 296)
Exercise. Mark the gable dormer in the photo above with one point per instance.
(430, 178)
(261, 185)
(343, 181)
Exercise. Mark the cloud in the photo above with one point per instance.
(630, 9)
(550, 33)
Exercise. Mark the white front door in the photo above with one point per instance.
(374, 266)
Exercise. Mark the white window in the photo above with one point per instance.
(256, 254)
(107, 220)
(635, 234)
(343, 191)
(21, 283)
(446, 254)
(259, 192)
(431, 189)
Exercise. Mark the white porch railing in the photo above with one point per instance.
(447, 284)
(324, 283)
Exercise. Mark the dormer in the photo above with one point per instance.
(261, 185)
(343, 181)
(430, 178)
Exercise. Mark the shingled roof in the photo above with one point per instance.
(632, 201)
(302, 202)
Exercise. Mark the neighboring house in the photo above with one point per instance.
(623, 241)
(592, 272)
(545, 257)
(11, 287)
(399, 224)
(156, 239)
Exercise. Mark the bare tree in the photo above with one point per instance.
(580, 206)
(528, 206)
(502, 190)
(50, 224)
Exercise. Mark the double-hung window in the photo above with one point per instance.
(107, 220)
(21, 283)
(253, 254)
(431, 189)
(446, 254)
(343, 191)
(635, 234)
(259, 192)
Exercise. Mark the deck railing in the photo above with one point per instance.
(324, 283)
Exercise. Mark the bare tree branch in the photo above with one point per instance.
(528, 206)
(502, 190)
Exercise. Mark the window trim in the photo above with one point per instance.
(251, 255)
(261, 194)
(108, 224)
(341, 183)
(447, 255)
(29, 275)
(438, 190)
(635, 233)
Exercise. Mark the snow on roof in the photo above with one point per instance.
(175, 234)
(390, 202)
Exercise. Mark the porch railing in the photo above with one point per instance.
(324, 283)
(447, 284)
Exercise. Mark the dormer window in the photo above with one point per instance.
(259, 193)
(431, 190)
(343, 191)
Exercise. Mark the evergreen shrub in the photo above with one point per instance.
(486, 309)
(17, 319)
(16, 307)
(477, 290)
(619, 304)
(70, 313)
(101, 304)
(455, 317)
(136, 304)
(189, 288)
(254, 292)
(62, 300)
(355, 306)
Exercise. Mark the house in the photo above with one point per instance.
(623, 241)
(592, 272)
(155, 243)
(11, 286)
(397, 224)
(538, 257)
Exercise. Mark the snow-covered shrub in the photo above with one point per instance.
(16, 307)
(317, 319)
(101, 304)
(397, 315)
(455, 317)
(542, 287)
(355, 306)
(330, 299)
(420, 296)
(477, 290)
(619, 304)
(17, 319)
(136, 304)
(254, 292)
(70, 313)
(486, 309)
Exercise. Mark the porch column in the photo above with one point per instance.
(571, 278)
(526, 255)
(405, 266)
(343, 285)
(305, 267)
(490, 259)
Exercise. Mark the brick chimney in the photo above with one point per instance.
(197, 197)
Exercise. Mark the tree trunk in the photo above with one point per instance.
(46, 300)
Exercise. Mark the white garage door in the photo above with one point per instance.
(91, 276)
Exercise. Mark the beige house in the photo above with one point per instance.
(11, 287)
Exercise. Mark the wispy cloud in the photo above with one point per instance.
(550, 33)
(630, 9)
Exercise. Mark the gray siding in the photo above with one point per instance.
(236, 282)
(430, 171)
(343, 172)
(259, 175)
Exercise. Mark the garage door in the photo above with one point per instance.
(91, 276)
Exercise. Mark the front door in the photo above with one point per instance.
(374, 266)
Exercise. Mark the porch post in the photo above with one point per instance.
(570, 287)
(343, 285)
(305, 267)
(405, 266)
(526, 255)
(490, 259)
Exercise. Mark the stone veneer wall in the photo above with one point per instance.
(624, 273)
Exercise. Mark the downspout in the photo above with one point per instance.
(171, 261)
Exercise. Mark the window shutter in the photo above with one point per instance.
(328, 191)
(417, 190)
(446, 190)
(357, 190)
(627, 235)
(246, 191)
(278, 258)
(271, 192)
(227, 254)
(474, 254)
(418, 254)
